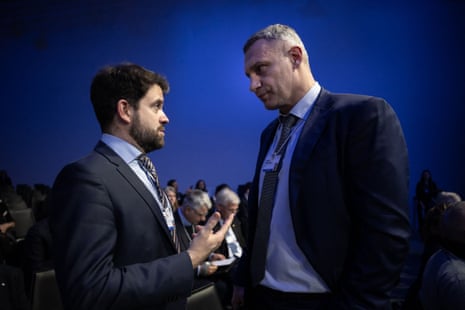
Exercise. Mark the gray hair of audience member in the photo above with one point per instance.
(447, 198)
(226, 197)
(197, 199)
(278, 32)
(453, 223)
(170, 189)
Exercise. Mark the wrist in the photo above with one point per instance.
(196, 260)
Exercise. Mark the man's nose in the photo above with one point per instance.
(254, 84)
(164, 118)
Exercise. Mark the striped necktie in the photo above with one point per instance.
(165, 207)
(265, 210)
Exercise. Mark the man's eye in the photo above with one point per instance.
(261, 69)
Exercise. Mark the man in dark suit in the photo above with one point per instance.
(115, 243)
(12, 291)
(339, 228)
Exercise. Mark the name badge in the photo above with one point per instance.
(271, 164)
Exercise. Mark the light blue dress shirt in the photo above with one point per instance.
(129, 153)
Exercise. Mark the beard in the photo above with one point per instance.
(147, 138)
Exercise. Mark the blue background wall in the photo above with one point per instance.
(409, 52)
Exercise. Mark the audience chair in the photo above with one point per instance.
(45, 293)
(24, 219)
(13, 200)
(204, 298)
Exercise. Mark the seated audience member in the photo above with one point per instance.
(12, 292)
(218, 188)
(171, 194)
(425, 190)
(5, 180)
(226, 203)
(431, 231)
(243, 213)
(194, 210)
(443, 285)
(179, 195)
(202, 185)
(40, 197)
(432, 242)
(37, 245)
(7, 235)
(8, 193)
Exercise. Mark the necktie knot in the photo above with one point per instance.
(146, 162)
(288, 120)
(165, 209)
(150, 167)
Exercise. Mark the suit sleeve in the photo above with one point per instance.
(376, 181)
(92, 267)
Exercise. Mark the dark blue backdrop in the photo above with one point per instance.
(409, 52)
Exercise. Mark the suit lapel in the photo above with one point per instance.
(182, 234)
(237, 229)
(310, 134)
(126, 172)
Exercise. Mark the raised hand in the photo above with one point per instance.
(206, 241)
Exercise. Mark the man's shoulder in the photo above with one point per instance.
(95, 161)
(451, 266)
(351, 100)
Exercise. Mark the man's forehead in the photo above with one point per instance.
(261, 50)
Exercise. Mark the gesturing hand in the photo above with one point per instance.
(205, 241)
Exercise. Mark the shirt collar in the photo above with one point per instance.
(303, 107)
(124, 149)
(184, 221)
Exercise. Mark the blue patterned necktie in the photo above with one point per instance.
(150, 167)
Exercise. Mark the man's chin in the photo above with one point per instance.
(270, 106)
(155, 146)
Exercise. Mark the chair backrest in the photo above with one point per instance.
(24, 219)
(45, 292)
(204, 298)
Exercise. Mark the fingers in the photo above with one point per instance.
(217, 256)
(212, 269)
(226, 224)
(212, 221)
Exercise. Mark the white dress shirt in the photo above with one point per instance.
(287, 269)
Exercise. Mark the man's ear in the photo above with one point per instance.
(124, 110)
(295, 53)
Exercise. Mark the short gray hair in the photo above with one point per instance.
(170, 189)
(226, 197)
(197, 199)
(277, 32)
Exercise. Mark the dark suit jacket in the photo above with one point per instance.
(184, 233)
(112, 247)
(348, 189)
(12, 292)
